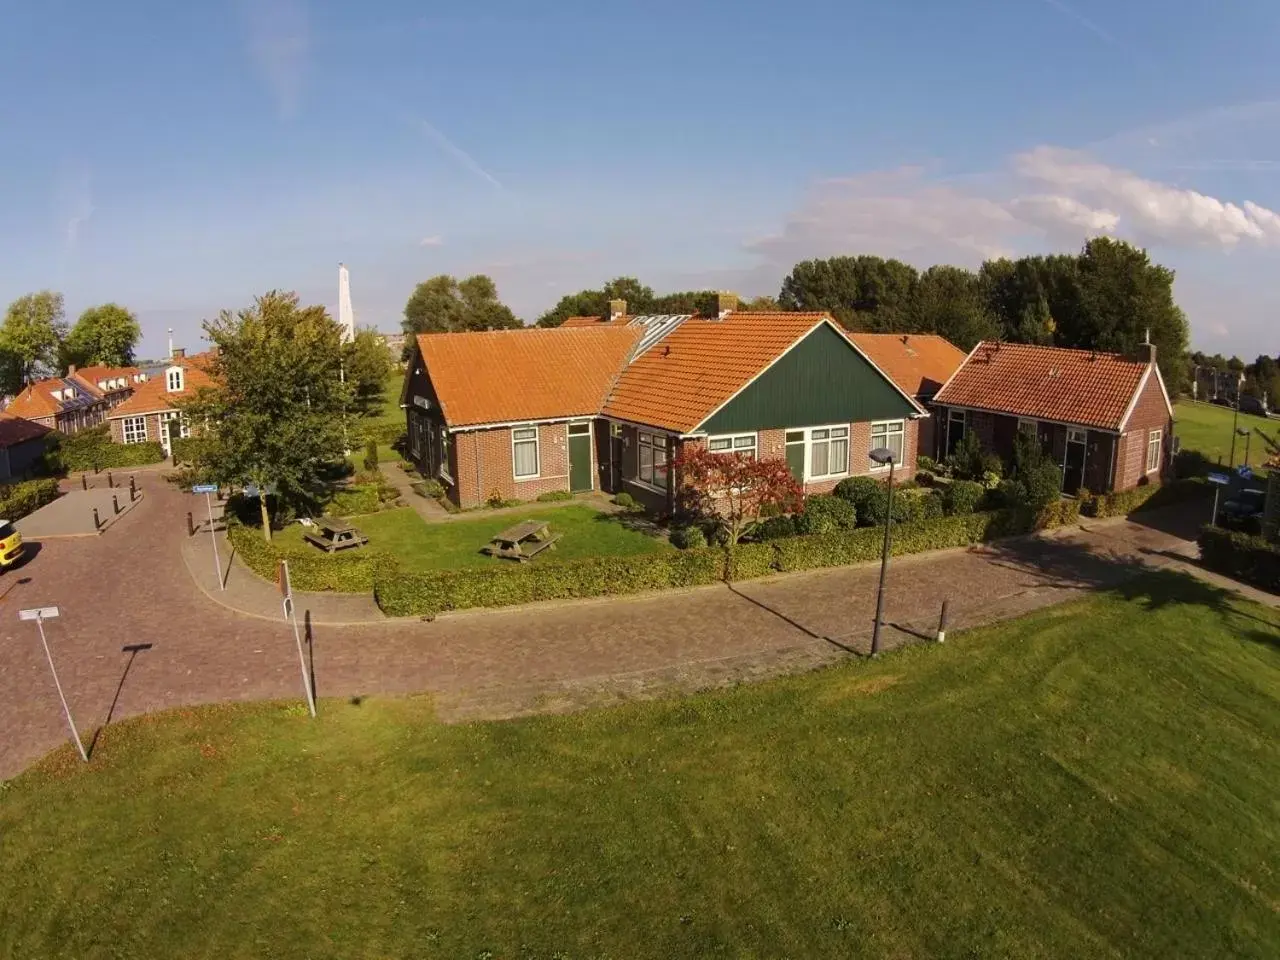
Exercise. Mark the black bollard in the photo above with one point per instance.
(942, 623)
(84, 481)
(133, 490)
(110, 482)
(115, 504)
(96, 522)
(191, 527)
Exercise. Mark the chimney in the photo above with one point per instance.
(71, 368)
(726, 303)
(617, 308)
(171, 343)
(177, 353)
(1147, 349)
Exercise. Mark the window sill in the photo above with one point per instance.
(528, 479)
(827, 476)
(645, 486)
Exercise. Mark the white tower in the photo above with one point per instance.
(346, 316)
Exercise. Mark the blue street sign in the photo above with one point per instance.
(205, 488)
(1219, 478)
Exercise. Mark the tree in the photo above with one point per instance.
(595, 303)
(736, 487)
(863, 293)
(274, 417)
(761, 304)
(445, 305)
(106, 335)
(33, 328)
(367, 364)
(951, 302)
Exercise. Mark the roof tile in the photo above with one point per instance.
(918, 363)
(1046, 383)
(153, 396)
(17, 430)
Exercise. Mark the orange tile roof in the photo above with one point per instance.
(572, 322)
(679, 381)
(17, 430)
(918, 363)
(36, 400)
(504, 376)
(153, 396)
(1046, 383)
(90, 376)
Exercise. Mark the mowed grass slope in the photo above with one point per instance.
(1098, 780)
(1207, 428)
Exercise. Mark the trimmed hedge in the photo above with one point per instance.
(401, 593)
(93, 449)
(1241, 557)
(19, 499)
(381, 432)
(1123, 502)
(427, 593)
(310, 570)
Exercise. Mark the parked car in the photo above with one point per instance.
(1244, 511)
(10, 545)
(1221, 401)
(1253, 405)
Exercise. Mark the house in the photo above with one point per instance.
(150, 414)
(22, 444)
(1104, 417)
(115, 384)
(919, 363)
(60, 403)
(608, 403)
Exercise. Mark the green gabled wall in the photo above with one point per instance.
(822, 379)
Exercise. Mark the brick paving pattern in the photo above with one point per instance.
(131, 587)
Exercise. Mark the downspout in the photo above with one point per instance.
(1111, 469)
(475, 448)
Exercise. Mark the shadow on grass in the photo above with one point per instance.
(635, 522)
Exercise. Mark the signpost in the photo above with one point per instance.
(286, 591)
(208, 489)
(1219, 480)
(40, 615)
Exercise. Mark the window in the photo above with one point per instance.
(174, 379)
(795, 442)
(415, 437)
(955, 430)
(828, 452)
(524, 452)
(444, 453)
(888, 434)
(1027, 428)
(184, 428)
(742, 443)
(1154, 439)
(653, 460)
(135, 429)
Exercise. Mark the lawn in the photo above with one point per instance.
(419, 545)
(1207, 428)
(1098, 780)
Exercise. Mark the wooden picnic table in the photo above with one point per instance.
(335, 535)
(523, 541)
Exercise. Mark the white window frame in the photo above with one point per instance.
(902, 454)
(445, 472)
(137, 437)
(1155, 438)
(738, 443)
(174, 375)
(536, 440)
(809, 473)
(1034, 427)
(184, 428)
(656, 444)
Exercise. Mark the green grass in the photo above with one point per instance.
(419, 545)
(1098, 780)
(1207, 428)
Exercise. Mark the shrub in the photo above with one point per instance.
(932, 505)
(775, 528)
(971, 462)
(552, 496)
(1123, 502)
(389, 433)
(626, 501)
(859, 491)
(1242, 557)
(309, 569)
(688, 538)
(927, 464)
(371, 454)
(1011, 493)
(963, 496)
(1059, 513)
(92, 449)
(1191, 463)
(1043, 484)
(19, 499)
(824, 513)
(430, 488)
(496, 501)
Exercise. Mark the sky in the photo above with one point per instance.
(182, 158)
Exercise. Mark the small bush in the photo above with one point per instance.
(1191, 463)
(776, 528)
(1242, 557)
(309, 569)
(496, 501)
(93, 449)
(824, 513)
(927, 464)
(932, 505)
(431, 488)
(1152, 495)
(963, 496)
(1011, 493)
(553, 496)
(389, 433)
(688, 538)
(971, 462)
(626, 501)
(19, 499)
(859, 491)
(1043, 484)
(371, 454)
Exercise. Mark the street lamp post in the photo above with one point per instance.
(882, 456)
(1248, 439)
(1235, 429)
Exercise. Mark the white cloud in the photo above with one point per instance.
(1053, 211)
(434, 241)
(279, 42)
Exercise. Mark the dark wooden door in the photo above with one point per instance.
(580, 457)
(1073, 469)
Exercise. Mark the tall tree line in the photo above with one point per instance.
(36, 341)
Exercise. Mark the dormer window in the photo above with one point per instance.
(102, 384)
(57, 395)
(174, 379)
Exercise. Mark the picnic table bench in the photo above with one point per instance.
(522, 542)
(335, 535)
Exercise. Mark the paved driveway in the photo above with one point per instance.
(136, 634)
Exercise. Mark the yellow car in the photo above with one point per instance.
(10, 544)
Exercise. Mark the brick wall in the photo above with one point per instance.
(152, 424)
(1149, 414)
(485, 464)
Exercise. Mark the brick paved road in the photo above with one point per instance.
(130, 587)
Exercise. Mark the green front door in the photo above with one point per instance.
(580, 457)
(795, 453)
